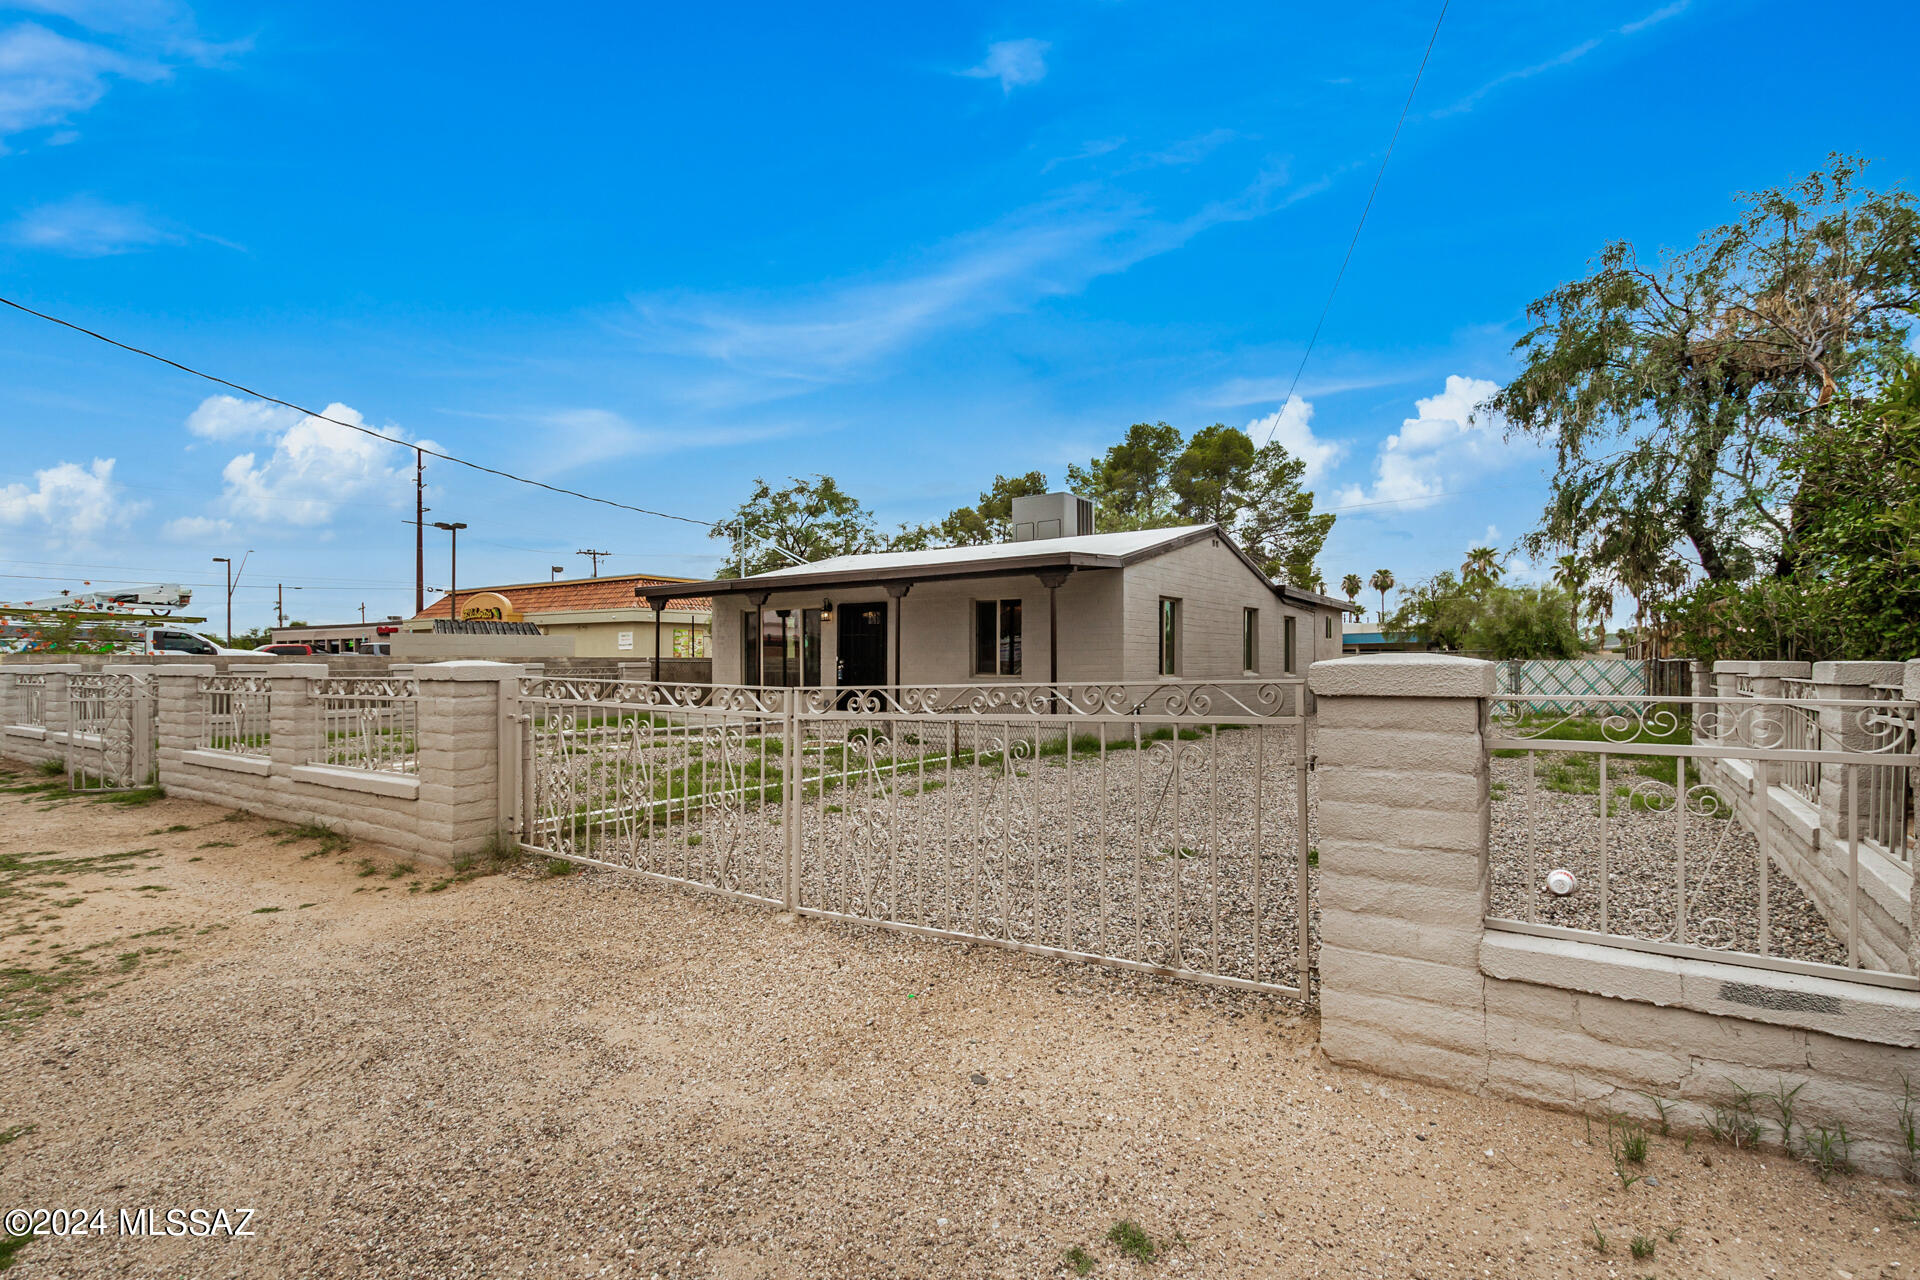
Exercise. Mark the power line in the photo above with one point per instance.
(1341, 274)
(351, 426)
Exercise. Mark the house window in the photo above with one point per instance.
(750, 647)
(996, 637)
(1250, 639)
(1169, 636)
(1329, 621)
(810, 648)
(1287, 643)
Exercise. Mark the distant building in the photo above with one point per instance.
(342, 637)
(602, 616)
(1360, 636)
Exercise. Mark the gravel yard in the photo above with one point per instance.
(592, 1075)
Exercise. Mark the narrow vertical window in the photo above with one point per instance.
(1250, 640)
(749, 647)
(1287, 632)
(996, 637)
(810, 648)
(1329, 622)
(1169, 636)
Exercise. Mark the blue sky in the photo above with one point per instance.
(652, 253)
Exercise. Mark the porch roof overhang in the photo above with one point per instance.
(1005, 567)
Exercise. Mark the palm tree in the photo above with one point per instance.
(1600, 607)
(1351, 584)
(1382, 581)
(1571, 575)
(1482, 567)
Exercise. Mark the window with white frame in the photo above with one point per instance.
(1169, 636)
(1250, 639)
(996, 637)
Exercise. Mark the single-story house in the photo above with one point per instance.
(1055, 605)
(600, 615)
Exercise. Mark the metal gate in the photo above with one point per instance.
(1163, 827)
(110, 731)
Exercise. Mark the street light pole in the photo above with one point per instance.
(228, 561)
(453, 592)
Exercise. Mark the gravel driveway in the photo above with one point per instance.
(592, 1075)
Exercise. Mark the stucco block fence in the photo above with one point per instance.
(1415, 983)
(420, 762)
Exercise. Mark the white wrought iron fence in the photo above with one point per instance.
(33, 699)
(110, 740)
(1666, 822)
(370, 724)
(1888, 817)
(1799, 730)
(236, 714)
(1160, 826)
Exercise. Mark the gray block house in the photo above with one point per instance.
(1058, 603)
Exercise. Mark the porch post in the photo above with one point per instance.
(898, 590)
(659, 606)
(1053, 580)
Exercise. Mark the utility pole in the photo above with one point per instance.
(419, 532)
(596, 558)
(363, 613)
(280, 601)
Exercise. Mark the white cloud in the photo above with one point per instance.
(315, 467)
(1444, 447)
(1049, 250)
(1564, 58)
(196, 529)
(231, 418)
(46, 77)
(73, 503)
(1292, 426)
(83, 227)
(1013, 63)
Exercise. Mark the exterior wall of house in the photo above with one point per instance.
(1214, 586)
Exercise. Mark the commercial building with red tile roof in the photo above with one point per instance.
(603, 616)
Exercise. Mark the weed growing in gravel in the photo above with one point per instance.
(1735, 1123)
(50, 768)
(167, 831)
(134, 798)
(1783, 1099)
(400, 870)
(218, 844)
(1909, 1134)
(1664, 1110)
(1131, 1239)
(367, 868)
(1599, 1239)
(1641, 1247)
(560, 867)
(261, 911)
(1827, 1150)
(1080, 1260)
(15, 1132)
(10, 1246)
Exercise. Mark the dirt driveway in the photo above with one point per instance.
(587, 1075)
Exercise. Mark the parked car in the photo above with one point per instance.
(288, 650)
(180, 640)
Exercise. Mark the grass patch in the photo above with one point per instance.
(560, 867)
(367, 868)
(262, 911)
(10, 1247)
(1080, 1260)
(1641, 1247)
(167, 831)
(1131, 1239)
(218, 844)
(132, 799)
(16, 1132)
(50, 769)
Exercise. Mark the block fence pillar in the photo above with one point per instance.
(177, 712)
(298, 735)
(1402, 772)
(56, 702)
(1729, 719)
(467, 764)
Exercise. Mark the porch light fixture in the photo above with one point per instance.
(826, 610)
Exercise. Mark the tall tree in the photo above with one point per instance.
(808, 520)
(1481, 569)
(1670, 390)
(1571, 575)
(1130, 483)
(1382, 581)
(1351, 586)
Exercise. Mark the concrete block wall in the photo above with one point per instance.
(1414, 983)
(35, 744)
(456, 802)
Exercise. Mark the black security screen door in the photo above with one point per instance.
(863, 644)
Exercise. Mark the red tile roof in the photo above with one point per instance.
(575, 595)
